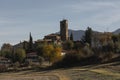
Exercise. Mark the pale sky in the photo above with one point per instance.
(42, 17)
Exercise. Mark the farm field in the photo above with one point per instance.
(109, 71)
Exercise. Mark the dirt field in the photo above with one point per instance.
(109, 71)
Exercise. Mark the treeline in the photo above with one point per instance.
(18, 53)
(94, 48)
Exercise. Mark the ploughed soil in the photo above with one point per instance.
(108, 71)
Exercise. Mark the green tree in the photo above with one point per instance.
(88, 36)
(25, 45)
(39, 50)
(78, 45)
(71, 36)
(6, 53)
(6, 50)
(68, 45)
(115, 38)
(19, 55)
(6, 46)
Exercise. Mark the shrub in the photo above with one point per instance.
(41, 59)
(68, 45)
(78, 58)
(70, 59)
(51, 53)
(3, 68)
(106, 56)
(16, 65)
(19, 55)
(87, 51)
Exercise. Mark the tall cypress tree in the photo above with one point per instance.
(30, 43)
(87, 38)
(71, 36)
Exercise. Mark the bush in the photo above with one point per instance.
(68, 45)
(87, 51)
(78, 58)
(3, 68)
(19, 55)
(41, 59)
(16, 65)
(106, 56)
(70, 59)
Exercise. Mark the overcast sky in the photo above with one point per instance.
(41, 17)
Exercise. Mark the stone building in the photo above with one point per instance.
(64, 30)
(52, 37)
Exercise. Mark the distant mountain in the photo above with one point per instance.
(77, 34)
(117, 31)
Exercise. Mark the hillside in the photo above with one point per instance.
(116, 31)
(108, 71)
(77, 34)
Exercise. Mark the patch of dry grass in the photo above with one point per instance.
(93, 72)
(105, 72)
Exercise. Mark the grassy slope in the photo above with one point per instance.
(110, 71)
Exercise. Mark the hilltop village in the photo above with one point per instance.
(60, 50)
(30, 51)
(56, 38)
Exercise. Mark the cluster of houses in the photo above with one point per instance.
(51, 38)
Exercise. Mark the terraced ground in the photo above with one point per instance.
(110, 71)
